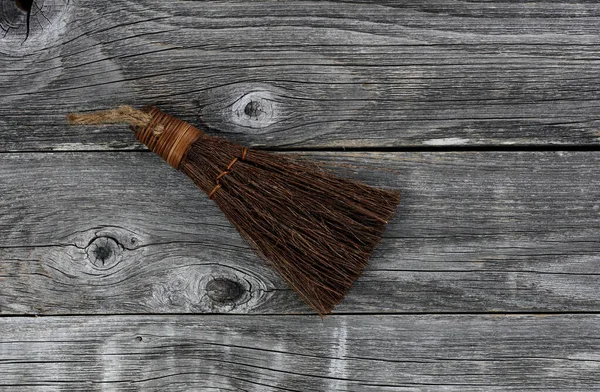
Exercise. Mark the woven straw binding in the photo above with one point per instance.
(174, 138)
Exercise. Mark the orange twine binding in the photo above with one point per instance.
(227, 171)
(170, 138)
(172, 141)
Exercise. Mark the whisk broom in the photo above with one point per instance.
(316, 229)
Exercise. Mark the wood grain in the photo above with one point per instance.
(300, 74)
(143, 285)
(122, 232)
(295, 353)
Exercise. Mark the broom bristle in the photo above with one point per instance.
(316, 229)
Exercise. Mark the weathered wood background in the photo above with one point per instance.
(117, 274)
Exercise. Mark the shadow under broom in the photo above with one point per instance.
(316, 229)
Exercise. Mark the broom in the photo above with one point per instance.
(317, 230)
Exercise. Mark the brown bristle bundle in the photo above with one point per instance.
(317, 230)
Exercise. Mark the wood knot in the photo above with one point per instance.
(254, 109)
(224, 291)
(208, 287)
(248, 109)
(104, 253)
(22, 20)
(25, 5)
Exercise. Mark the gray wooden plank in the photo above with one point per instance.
(301, 353)
(122, 232)
(306, 73)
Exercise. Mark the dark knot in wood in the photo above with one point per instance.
(23, 20)
(223, 291)
(25, 5)
(104, 252)
(253, 109)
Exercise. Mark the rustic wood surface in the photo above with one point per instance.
(302, 353)
(97, 233)
(117, 274)
(318, 74)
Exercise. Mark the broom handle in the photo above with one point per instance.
(167, 136)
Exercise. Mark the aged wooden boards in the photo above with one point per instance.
(488, 279)
(293, 74)
(300, 353)
(98, 233)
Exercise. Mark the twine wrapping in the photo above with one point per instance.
(167, 136)
(226, 172)
(173, 141)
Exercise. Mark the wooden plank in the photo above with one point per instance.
(124, 233)
(299, 74)
(300, 353)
